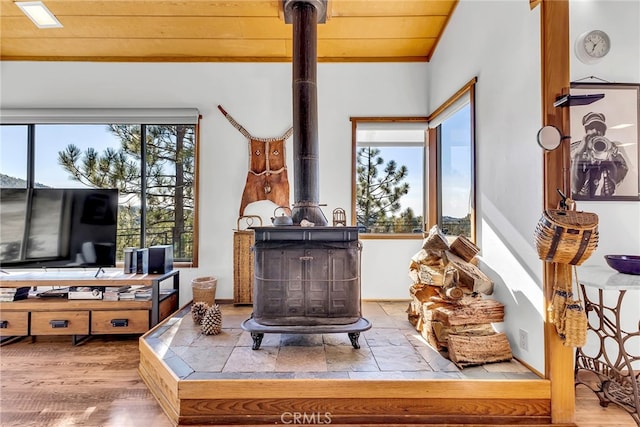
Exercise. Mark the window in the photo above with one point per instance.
(452, 151)
(388, 178)
(157, 199)
(400, 183)
(13, 156)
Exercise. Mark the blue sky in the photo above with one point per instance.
(50, 139)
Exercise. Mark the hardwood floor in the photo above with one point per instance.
(52, 383)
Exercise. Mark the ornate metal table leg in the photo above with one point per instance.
(257, 340)
(353, 336)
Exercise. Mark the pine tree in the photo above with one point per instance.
(379, 188)
(169, 163)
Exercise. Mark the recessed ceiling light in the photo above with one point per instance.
(39, 14)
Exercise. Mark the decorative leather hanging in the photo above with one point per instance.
(267, 176)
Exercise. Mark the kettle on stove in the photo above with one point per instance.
(283, 218)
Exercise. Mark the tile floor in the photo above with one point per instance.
(391, 349)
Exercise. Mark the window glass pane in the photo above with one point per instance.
(455, 174)
(12, 231)
(94, 156)
(390, 179)
(13, 156)
(110, 156)
(170, 198)
(75, 156)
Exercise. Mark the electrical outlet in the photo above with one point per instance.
(524, 340)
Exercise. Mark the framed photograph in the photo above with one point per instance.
(604, 142)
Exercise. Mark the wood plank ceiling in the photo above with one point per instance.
(221, 30)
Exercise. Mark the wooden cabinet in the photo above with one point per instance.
(119, 322)
(14, 324)
(69, 322)
(58, 316)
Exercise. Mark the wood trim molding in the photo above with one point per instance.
(464, 89)
(554, 32)
(354, 126)
(432, 180)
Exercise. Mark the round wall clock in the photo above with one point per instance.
(592, 46)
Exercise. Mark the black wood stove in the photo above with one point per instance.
(306, 279)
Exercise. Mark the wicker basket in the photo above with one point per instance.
(566, 236)
(204, 289)
(575, 324)
(243, 241)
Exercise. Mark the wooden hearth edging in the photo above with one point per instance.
(431, 402)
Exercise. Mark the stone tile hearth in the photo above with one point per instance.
(392, 349)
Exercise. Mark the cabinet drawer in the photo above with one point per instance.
(168, 306)
(119, 322)
(60, 323)
(14, 324)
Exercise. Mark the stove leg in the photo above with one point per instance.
(353, 336)
(257, 340)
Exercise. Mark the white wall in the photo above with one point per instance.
(619, 222)
(503, 50)
(259, 97)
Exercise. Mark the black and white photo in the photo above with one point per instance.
(604, 143)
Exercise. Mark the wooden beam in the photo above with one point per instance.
(554, 16)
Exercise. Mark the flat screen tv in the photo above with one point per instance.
(52, 227)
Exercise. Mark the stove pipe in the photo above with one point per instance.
(305, 15)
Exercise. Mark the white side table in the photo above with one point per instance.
(617, 381)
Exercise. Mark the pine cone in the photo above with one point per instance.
(198, 310)
(212, 321)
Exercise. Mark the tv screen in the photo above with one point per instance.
(52, 227)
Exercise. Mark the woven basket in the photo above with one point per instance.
(204, 289)
(575, 324)
(566, 236)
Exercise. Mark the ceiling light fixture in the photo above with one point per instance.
(39, 14)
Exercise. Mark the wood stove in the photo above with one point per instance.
(306, 279)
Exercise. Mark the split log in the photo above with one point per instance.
(470, 276)
(427, 275)
(478, 312)
(426, 257)
(442, 331)
(477, 350)
(464, 248)
(435, 240)
(428, 333)
(454, 293)
(419, 295)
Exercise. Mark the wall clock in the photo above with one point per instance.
(592, 46)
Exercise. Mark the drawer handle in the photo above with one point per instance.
(119, 323)
(4, 324)
(306, 258)
(59, 323)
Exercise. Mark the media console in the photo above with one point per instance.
(83, 318)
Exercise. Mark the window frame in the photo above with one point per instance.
(354, 166)
(99, 117)
(431, 172)
(449, 107)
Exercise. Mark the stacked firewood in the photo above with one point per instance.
(447, 307)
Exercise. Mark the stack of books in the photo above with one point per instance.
(136, 293)
(13, 294)
(112, 293)
(85, 292)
